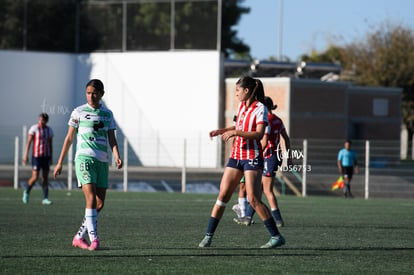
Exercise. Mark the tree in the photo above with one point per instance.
(386, 58)
(334, 54)
(230, 43)
(50, 25)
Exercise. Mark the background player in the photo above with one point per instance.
(41, 136)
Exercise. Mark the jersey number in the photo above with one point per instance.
(84, 166)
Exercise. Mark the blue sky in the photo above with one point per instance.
(314, 24)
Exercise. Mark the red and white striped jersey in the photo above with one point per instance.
(41, 140)
(247, 120)
(273, 130)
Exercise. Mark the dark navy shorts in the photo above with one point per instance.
(244, 165)
(271, 165)
(41, 163)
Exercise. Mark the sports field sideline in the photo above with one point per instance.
(158, 233)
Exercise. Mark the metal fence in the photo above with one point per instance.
(381, 171)
(118, 25)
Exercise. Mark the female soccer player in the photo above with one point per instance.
(95, 128)
(246, 159)
(42, 137)
(272, 160)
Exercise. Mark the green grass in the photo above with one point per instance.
(158, 233)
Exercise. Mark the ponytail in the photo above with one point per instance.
(255, 86)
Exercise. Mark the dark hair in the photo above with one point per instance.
(45, 116)
(255, 87)
(268, 102)
(97, 84)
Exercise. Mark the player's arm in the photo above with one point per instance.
(65, 148)
(114, 147)
(221, 131)
(264, 141)
(338, 163)
(258, 134)
(26, 151)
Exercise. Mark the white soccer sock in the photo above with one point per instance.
(82, 230)
(242, 206)
(91, 217)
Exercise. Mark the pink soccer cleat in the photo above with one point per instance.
(81, 243)
(94, 245)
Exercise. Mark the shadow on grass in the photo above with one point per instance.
(213, 252)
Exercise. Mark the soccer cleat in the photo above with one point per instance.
(280, 223)
(247, 221)
(46, 202)
(25, 198)
(236, 210)
(274, 242)
(81, 243)
(94, 245)
(206, 242)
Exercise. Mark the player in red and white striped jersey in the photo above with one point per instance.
(41, 136)
(246, 159)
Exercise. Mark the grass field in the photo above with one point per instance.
(158, 233)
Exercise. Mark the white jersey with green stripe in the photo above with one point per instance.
(92, 131)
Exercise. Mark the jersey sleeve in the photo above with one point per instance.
(32, 130)
(340, 155)
(112, 124)
(74, 119)
(261, 117)
(51, 134)
(267, 129)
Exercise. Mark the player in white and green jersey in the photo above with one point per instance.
(94, 126)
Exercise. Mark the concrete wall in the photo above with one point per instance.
(313, 109)
(158, 99)
(31, 83)
(318, 109)
(278, 88)
(340, 110)
(374, 113)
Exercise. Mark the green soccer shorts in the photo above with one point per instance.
(89, 170)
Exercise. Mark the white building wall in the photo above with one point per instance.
(158, 98)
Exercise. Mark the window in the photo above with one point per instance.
(380, 107)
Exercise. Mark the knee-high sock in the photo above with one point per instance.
(45, 190)
(276, 214)
(271, 227)
(82, 230)
(250, 211)
(91, 217)
(212, 225)
(242, 206)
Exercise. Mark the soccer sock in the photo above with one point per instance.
(82, 230)
(242, 206)
(250, 211)
(29, 188)
(91, 223)
(212, 225)
(45, 192)
(271, 227)
(276, 214)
